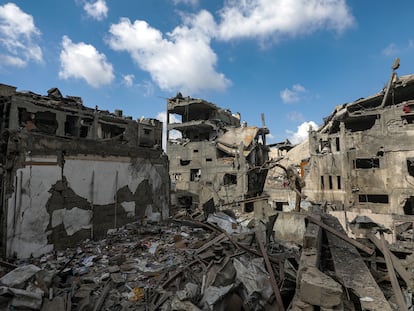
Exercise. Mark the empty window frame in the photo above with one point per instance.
(110, 130)
(322, 183)
(330, 182)
(71, 126)
(195, 174)
(338, 182)
(337, 144)
(230, 179)
(365, 163)
(373, 198)
(410, 166)
(45, 121)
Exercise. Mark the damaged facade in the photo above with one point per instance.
(69, 172)
(362, 159)
(217, 161)
(363, 155)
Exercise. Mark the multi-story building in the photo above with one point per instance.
(69, 172)
(217, 162)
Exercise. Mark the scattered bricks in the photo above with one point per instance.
(318, 289)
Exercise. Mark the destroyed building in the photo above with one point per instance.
(363, 155)
(69, 172)
(217, 161)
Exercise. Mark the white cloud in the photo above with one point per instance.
(293, 95)
(147, 88)
(174, 134)
(302, 132)
(390, 50)
(97, 9)
(180, 61)
(83, 61)
(17, 33)
(188, 2)
(280, 18)
(128, 80)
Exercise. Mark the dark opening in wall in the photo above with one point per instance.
(338, 180)
(147, 131)
(209, 160)
(338, 147)
(249, 207)
(373, 198)
(408, 119)
(279, 205)
(322, 183)
(330, 183)
(71, 126)
(46, 122)
(410, 166)
(195, 174)
(84, 131)
(409, 206)
(230, 179)
(195, 150)
(362, 123)
(184, 162)
(111, 130)
(185, 201)
(367, 163)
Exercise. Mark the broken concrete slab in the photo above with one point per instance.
(318, 289)
(19, 276)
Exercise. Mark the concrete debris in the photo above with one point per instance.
(185, 264)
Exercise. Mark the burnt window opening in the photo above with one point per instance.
(330, 182)
(338, 181)
(279, 205)
(324, 146)
(322, 183)
(367, 163)
(71, 126)
(26, 119)
(230, 179)
(195, 174)
(209, 160)
(147, 131)
(409, 206)
(373, 198)
(84, 130)
(361, 124)
(46, 122)
(184, 162)
(195, 150)
(410, 166)
(408, 119)
(185, 201)
(338, 147)
(248, 207)
(110, 130)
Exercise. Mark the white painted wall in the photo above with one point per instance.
(94, 179)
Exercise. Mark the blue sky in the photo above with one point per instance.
(293, 60)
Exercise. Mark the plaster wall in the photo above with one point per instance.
(97, 188)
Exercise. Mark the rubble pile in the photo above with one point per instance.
(185, 265)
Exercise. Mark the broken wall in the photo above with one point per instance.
(60, 187)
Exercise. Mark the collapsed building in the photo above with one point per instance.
(69, 172)
(217, 161)
(360, 161)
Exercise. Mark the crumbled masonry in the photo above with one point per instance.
(95, 216)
